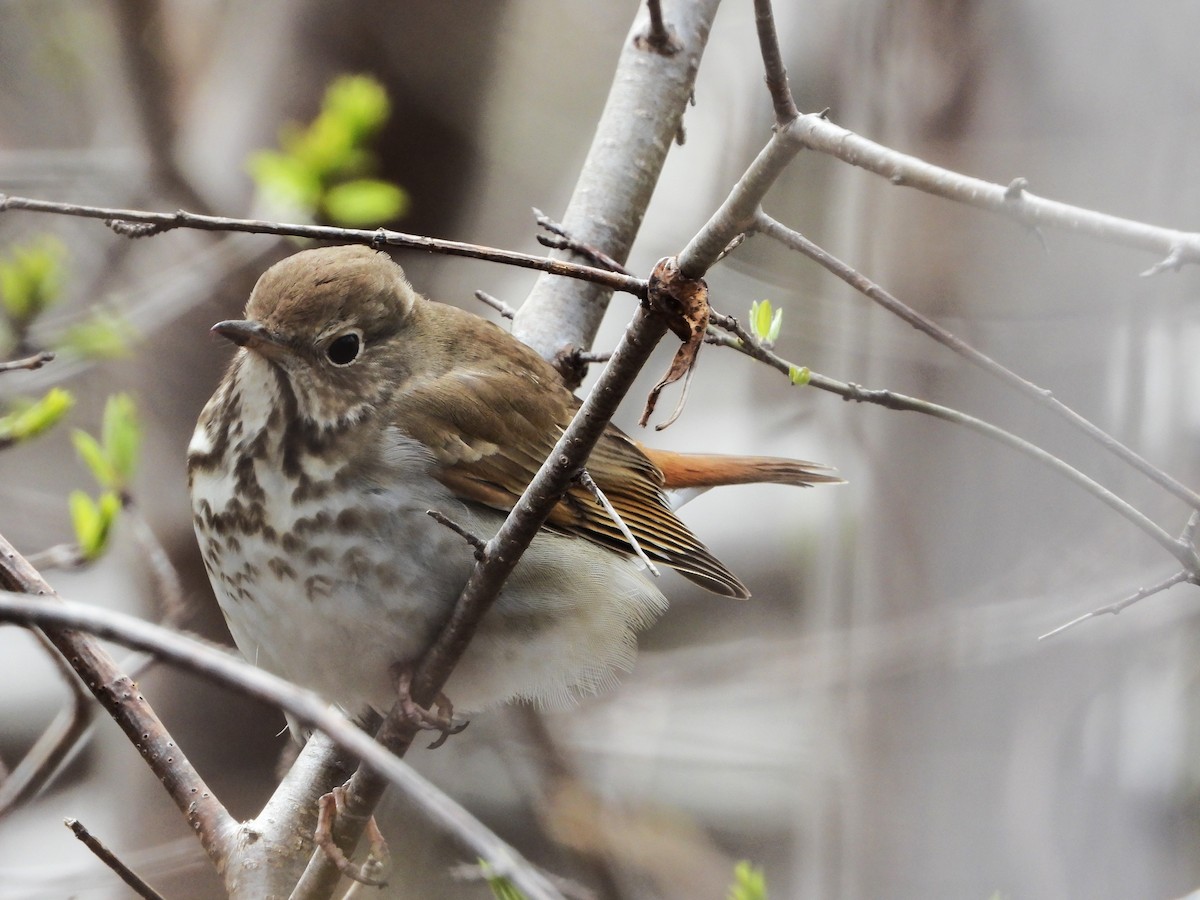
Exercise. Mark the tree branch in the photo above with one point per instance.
(221, 667)
(120, 697)
(158, 222)
(36, 361)
(1012, 200)
(1180, 550)
(136, 883)
(1117, 608)
(530, 512)
(776, 74)
(764, 224)
(641, 117)
(54, 744)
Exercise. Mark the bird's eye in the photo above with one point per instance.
(344, 349)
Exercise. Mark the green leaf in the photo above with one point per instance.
(286, 181)
(34, 418)
(765, 321)
(122, 436)
(112, 459)
(31, 279)
(327, 148)
(104, 335)
(93, 521)
(360, 102)
(89, 450)
(799, 375)
(749, 883)
(364, 202)
(319, 167)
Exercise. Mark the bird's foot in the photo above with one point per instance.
(440, 718)
(371, 871)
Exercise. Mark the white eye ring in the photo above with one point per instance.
(345, 348)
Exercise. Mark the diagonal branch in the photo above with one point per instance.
(55, 744)
(1180, 549)
(764, 224)
(531, 511)
(135, 882)
(121, 699)
(221, 667)
(642, 116)
(36, 361)
(1118, 607)
(776, 74)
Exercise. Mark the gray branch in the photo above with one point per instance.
(640, 120)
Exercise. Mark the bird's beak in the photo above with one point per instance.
(250, 335)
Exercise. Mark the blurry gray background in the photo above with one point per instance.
(880, 720)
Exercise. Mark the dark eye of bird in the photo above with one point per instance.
(344, 350)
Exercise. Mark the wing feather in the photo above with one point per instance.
(489, 431)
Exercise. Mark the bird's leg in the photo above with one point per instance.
(440, 719)
(369, 873)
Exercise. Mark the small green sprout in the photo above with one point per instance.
(765, 321)
(749, 883)
(103, 335)
(31, 279)
(321, 169)
(112, 459)
(93, 521)
(31, 419)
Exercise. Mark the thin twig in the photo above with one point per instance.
(776, 74)
(592, 488)
(110, 859)
(167, 583)
(1116, 608)
(63, 557)
(659, 37)
(36, 361)
(54, 745)
(764, 224)
(587, 357)
(475, 541)
(506, 311)
(378, 238)
(1189, 530)
(746, 343)
(737, 211)
(128, 708)
(563, 240)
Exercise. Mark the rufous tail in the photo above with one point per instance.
(692, 470)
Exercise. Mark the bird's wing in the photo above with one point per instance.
(489, 432)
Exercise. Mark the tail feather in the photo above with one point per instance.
(688, 470)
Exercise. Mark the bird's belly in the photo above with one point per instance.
(338, 594)
(332, 594)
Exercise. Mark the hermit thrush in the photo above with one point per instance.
(354, 407)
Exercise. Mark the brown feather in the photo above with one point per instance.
(693, 470)
(490, 418)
